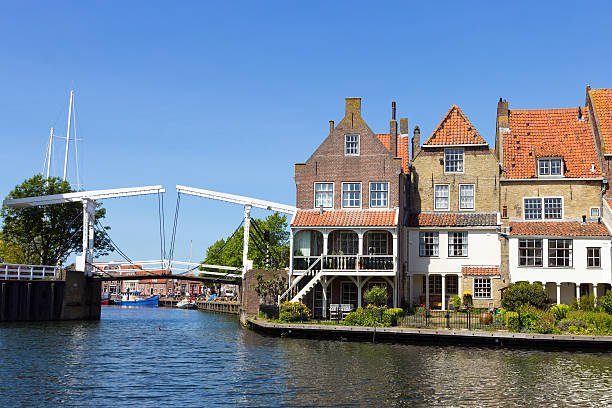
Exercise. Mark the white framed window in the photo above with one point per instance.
(530, 252)
(548, 208)
(594, 257)
(441, 201)
(377, 243)
(458, 243)
(349, 293)
(351, 195)
(594, 212)
(482, 288)
(428, 243)
(324, 195)
(351, 145)
(453, 160)
(379, 195)
(560, 252)
(550, 167)
(466, 196)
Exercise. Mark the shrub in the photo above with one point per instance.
(377, 295)
(371, 316)
(293, 312)
(560, 311)
(544, 323)
(467, 298)
(587, 302)
(456, 302)
(393, 315)
(566, 324)
(605, 302)
(512, 321)
(528, 315)
(522, 293)
(574, 304)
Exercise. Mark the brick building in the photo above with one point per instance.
(351, 195)
(453, 244)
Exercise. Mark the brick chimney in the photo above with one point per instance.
(403, 126)
(393, 132)
(352, 106)
(331, 127)
(503, 125)
(416, 141)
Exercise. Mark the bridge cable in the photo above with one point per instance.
(65, 247)
(176, 214)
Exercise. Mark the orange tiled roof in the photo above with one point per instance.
(364, 218)
(472, 270)
(538, 133)
(602, 102)
(452, 219)
(559, 229)
(454, 129)
(403, 149)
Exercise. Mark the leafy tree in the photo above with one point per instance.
(11, 253)
(228, 251)
(377, 295)
(522, 293)
(270, 289)
(46, 235)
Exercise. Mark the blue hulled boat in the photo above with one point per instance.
(135, 299)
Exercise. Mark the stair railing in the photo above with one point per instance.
(310, 272)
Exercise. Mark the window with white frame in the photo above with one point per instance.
(530, 252)
(351, 195)
(458, 243)
(466, 196)
(482, 288)
(441, 201)
(379, 194)
(559, 252)
(428, 243)
(594, 212)
(550, 167)
(324, 195)
(594, 257)
(377, 243)
(349, 293)
(552, 208)
(453, 160)
(351, 145)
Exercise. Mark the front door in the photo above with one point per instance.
(317, 301)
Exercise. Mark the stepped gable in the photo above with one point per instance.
(454, 129)
(602, 103)
(364, 218)
(537, 133)
(559, 229)
(452, 220)
(403, 149)
(474, 270)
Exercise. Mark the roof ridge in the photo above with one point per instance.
(446, 117)
(543, 110)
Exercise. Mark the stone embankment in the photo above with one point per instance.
(431, 336)
(221, 306)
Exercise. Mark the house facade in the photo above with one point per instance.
(551, 201)
(452, 230)
(351, 196)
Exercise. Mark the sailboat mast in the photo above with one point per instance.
(68, 132)
(49, 153)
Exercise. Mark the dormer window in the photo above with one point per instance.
(550, 167)
(351, 145)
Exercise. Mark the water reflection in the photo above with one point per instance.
(146, 357)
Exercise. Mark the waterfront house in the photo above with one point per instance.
(551, 190)
(452, 230)
(351, 198)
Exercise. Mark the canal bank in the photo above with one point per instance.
(430, 336)
(226, 307)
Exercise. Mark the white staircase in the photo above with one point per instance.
(310, 272)
(308, 287)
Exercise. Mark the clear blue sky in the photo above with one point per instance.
(228, 96)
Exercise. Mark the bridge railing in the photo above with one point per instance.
(28, 272)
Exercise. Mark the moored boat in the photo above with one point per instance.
(186, 304)
(135, 299)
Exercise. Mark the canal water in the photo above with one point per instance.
(149, 357)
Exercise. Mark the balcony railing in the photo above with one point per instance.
(358, 262)
(302, 263)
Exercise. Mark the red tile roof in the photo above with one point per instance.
(472, 270)
(452, 219)
(602, 103)
(454, 129)
(559, 229)
(538, 133)
(364, 218)
(403, 149)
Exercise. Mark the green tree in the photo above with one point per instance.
(377, 295)
(46, 235)
(228, 251)
(522, 293)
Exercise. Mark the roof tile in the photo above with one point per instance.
(473, 270)
(452, 219)
(454, 129)
(403, 149)
(549, 133)
(602, 102)
(559, 229)
(363, 218)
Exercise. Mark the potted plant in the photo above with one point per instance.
(467, 299)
